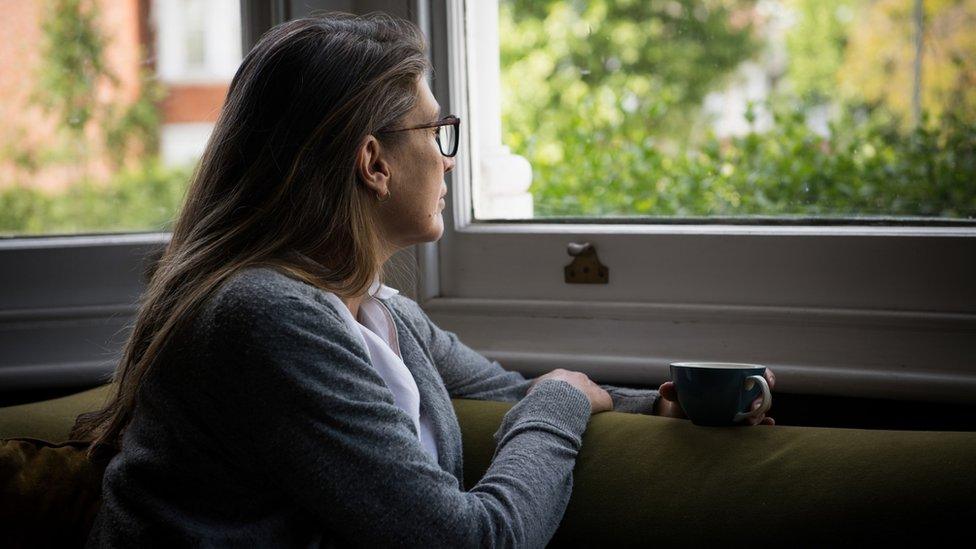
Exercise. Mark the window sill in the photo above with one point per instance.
(854, 353)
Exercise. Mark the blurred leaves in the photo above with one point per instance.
(604, 99)
(142, 198)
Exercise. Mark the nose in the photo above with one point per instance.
(449, 163)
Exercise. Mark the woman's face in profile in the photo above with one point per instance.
(413, 212)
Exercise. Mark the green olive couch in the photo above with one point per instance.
(639, 481)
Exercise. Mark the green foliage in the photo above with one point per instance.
(603, 66)
(72, 63)
(134, 128)
(816, 46)
(144, 198)
(630, 142)
(862, 169)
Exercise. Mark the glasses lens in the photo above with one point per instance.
(447, 137)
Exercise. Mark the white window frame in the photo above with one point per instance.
(865, 311)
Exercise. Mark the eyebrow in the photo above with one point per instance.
(437, 114)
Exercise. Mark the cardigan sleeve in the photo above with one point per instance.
(465, 372)
(468, 374)
(310, 413)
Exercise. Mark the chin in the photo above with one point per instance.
(431, 234)
(436, 232)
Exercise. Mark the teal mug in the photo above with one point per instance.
(720, 393)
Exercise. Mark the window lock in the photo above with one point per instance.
(585, 267)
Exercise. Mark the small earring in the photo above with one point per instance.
(384, 198)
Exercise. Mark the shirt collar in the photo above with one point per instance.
(381, 291)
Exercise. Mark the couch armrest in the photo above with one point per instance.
(50, 420)
(647, 480)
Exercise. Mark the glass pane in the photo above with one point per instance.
(106, 106)
(740, 108)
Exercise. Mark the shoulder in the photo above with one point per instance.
(411, 312)
(404, 305)
(262, 296)
(261, 284)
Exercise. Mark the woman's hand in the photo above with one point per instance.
(668, 406)
(600, 400)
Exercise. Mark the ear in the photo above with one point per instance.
(372, 166)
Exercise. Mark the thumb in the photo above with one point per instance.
(668, 392)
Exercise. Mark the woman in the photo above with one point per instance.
(273, 392)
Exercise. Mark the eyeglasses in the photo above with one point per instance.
(447, 133)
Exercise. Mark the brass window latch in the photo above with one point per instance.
(585, 267)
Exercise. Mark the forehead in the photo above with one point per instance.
(427, 106)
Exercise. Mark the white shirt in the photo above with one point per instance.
(378, 334)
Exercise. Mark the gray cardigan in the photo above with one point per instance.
(266, 426)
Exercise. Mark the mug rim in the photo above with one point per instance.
(717, 365)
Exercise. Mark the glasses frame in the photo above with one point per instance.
(449, 120)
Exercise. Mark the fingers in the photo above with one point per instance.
(761, 419)
(756, 403)
(668, 392)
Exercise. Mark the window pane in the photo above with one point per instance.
(738, 108)
(106, 105)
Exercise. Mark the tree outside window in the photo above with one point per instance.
(811, 109)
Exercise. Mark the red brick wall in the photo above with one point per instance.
(25, 126)
(193, 102)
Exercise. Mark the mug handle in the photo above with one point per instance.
(767, 399)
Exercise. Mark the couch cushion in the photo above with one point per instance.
(647, 480)
(50, 420)
(49, 493)
(639, 480)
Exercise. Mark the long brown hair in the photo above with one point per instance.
(276, 184)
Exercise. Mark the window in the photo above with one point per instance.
(106, 106)
(861, 302)
(729, 108)
(856, 309)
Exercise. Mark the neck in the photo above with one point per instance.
(353, 302)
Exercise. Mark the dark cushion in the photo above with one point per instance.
(49, 493)
(647, 480)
